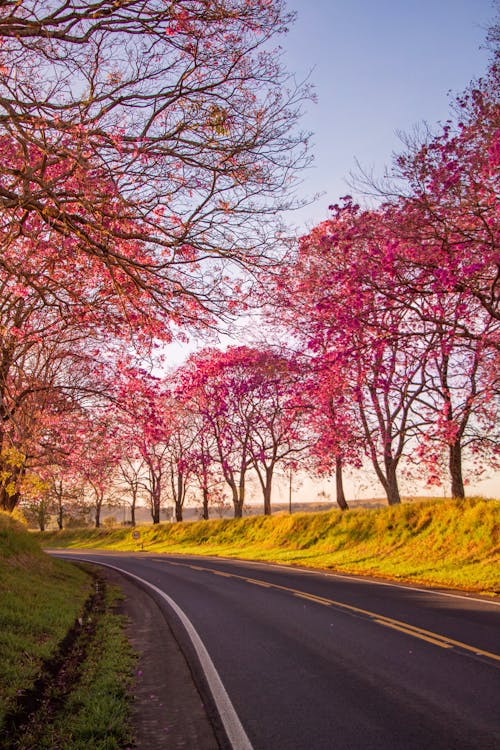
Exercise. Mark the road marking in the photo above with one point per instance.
(256, 582)
(312, 598)
(360, 578)
(413, 633)
(234, 729)
(221, 573)
(412, 630)
(345, 576)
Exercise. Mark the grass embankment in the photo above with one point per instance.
(435, 542)
(72, 695)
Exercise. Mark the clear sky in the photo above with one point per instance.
(378, 67)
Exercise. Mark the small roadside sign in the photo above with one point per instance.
(136, 536)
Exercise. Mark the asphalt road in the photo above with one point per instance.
(316, 662)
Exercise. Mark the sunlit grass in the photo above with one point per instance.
(438, 542)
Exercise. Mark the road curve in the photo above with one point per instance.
(314, 661)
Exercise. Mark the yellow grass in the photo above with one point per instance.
(435, 542)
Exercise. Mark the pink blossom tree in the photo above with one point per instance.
(146, 144)
(246, 401)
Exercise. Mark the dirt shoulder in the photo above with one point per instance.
(168, 711)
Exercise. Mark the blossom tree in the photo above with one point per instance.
(146, 145)
(203, 451)
(96, 456)
(156, 436)
(246, 400)
(143, 430)
(366, 350)
(460, 409)
(204, 380)
(447, 218)
(49, 371)
(336, 441)
(132, 477)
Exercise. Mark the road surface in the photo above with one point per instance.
(314, 661)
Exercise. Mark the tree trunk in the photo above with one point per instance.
(241, 497)
(238, 494)
(155, 505)
(155, 495)
(392, 489)
(59, 495)
(205, 504)
(455, 464)
(267, 490)
(267, 500)
(341, 501)
(7, 501)
(179, 498)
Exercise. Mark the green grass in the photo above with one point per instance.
(97, 714)
(435, 542)
(40, 598)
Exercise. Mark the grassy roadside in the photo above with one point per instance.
(61, 684)
(435, 542)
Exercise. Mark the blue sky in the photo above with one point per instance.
(378, 66)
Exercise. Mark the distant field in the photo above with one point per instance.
(118, 515)
(436, 542)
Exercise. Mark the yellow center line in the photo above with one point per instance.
(449, 641)
(312, 598)
(256, 582)
(416, 632)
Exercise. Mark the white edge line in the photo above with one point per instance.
(232, 725)
(311, 571)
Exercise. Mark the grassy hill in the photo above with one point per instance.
(64, 662)
(435, 542)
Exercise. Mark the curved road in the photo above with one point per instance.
(315, 661)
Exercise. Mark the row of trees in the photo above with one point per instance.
(396, 307)
(201, 430)
(223, 414)
(147, 150)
